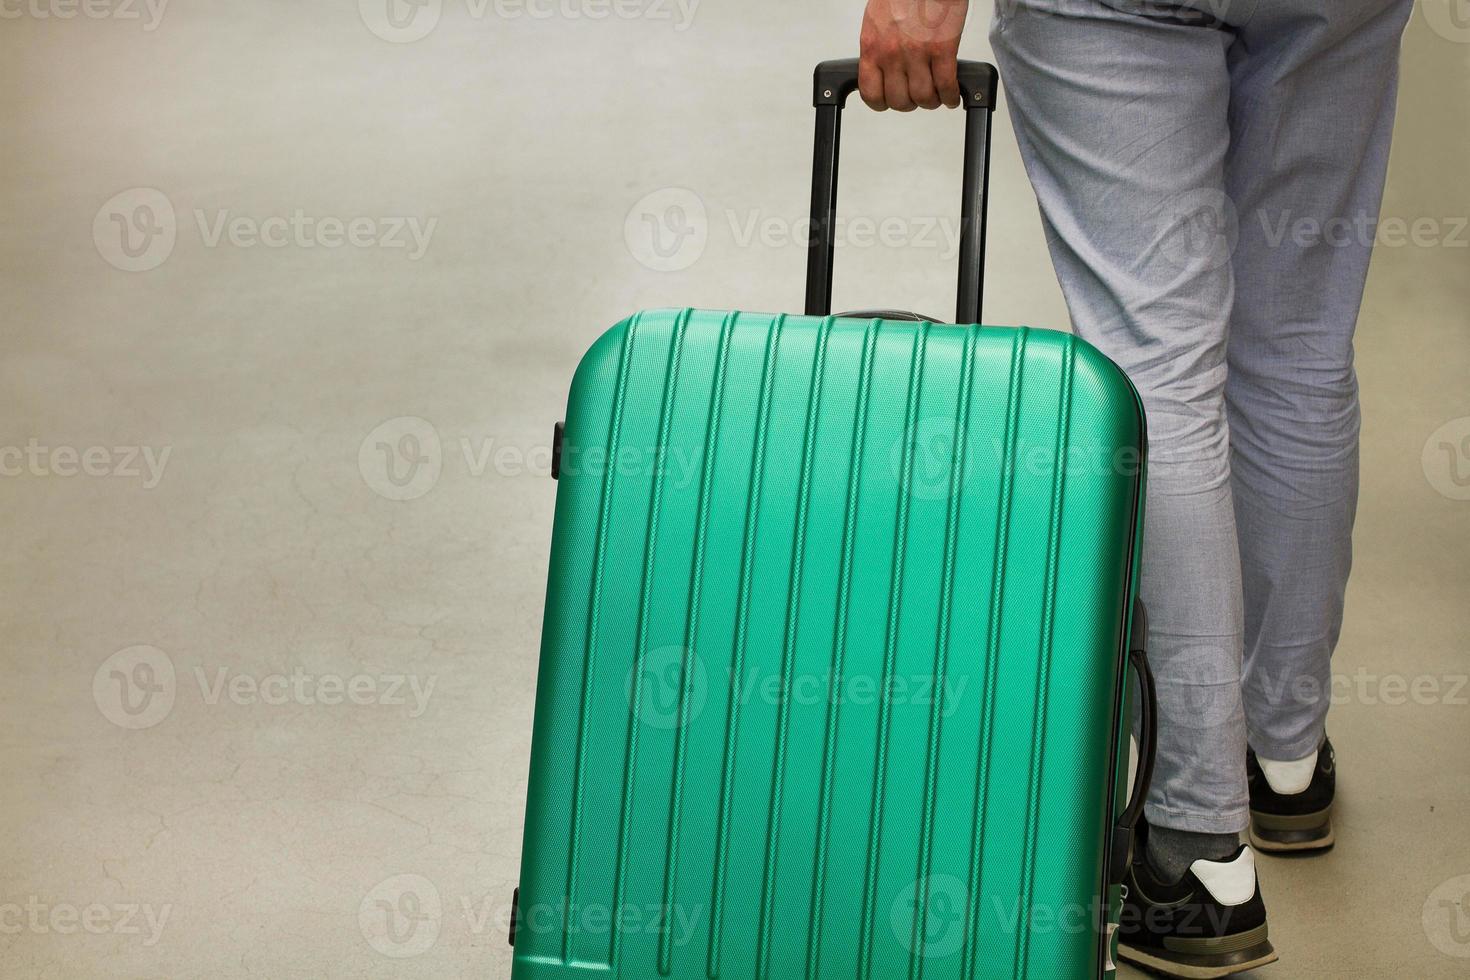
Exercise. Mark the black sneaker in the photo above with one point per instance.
(1209, 923)
(1291, 803)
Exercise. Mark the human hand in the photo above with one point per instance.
(909, 53)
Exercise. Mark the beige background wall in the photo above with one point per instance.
(260, 827)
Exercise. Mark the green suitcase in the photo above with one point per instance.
(834, 668)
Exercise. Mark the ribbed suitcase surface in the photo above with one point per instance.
(832, 666)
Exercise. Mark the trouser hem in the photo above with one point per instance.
(1298, 748)
(1231, 821)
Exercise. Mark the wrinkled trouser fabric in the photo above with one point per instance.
(1209, 176)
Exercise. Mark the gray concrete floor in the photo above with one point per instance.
(181, 795)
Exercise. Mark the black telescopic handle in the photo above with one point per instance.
(834, 81)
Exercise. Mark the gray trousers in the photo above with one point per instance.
(1209, 177)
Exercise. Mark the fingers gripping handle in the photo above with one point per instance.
(833, 82)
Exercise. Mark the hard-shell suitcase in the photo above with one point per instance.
(834, 668)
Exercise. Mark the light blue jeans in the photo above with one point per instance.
(1209, 175)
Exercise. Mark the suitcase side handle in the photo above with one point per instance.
(833, 82)
(1148, 728)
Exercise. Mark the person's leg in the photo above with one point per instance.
(1121, 113)
(1313, 89)
(1121, 116)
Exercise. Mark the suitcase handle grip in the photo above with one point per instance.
(833, 82)
(1148, 728)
